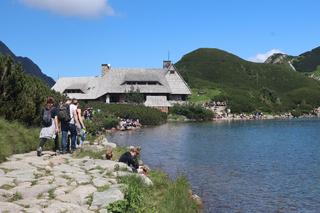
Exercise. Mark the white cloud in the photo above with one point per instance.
(261, 57)
(82, 8)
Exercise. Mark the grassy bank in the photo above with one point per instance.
(165, 195)
(16, 138)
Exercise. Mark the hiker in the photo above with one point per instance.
(129, 158)
(49, 123)
(64, 118)
(73, 124)
(80, 126)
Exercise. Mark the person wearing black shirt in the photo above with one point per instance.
(54, 114)
(129, 159)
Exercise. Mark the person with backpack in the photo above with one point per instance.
(64, 118)
(49, 124)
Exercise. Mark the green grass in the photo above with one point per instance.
(200, 96)
(92, 154)
(15, 138)
(117, 152)
(164, 196)
(51, 194)
(89, 199)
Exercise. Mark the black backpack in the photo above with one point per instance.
(64, 113)
(46, 117)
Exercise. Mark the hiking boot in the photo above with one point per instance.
(39, 151)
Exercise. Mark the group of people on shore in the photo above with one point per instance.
(65, 118)
(128, 124)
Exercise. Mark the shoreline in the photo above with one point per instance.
(245, 118)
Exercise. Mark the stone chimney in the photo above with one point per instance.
(105, 69)
(166, 64)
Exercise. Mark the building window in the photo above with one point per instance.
(142, 83)
(73, 91)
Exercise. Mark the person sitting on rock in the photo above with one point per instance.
(129, 159)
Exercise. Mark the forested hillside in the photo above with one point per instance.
(21, 95)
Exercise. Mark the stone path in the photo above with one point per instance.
(58, 184)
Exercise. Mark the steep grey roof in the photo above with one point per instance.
(114, 82)
(141, 76)
(88, 85)
(177, 85)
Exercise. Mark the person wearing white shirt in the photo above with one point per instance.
(72, 124)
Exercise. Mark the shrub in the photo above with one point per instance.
(21, 95)
(146, 115)
(100, 121)
(191, 111)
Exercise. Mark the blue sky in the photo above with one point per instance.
(74, 37)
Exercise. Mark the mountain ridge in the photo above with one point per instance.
(307, 62)
(27, 64)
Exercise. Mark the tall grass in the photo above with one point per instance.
(164, 196)
(16, 138)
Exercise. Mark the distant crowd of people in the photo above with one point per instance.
(127, 124)
(65, 118)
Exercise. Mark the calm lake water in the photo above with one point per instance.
(253, 166)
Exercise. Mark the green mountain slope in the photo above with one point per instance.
(307, 62)
(249, 86)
